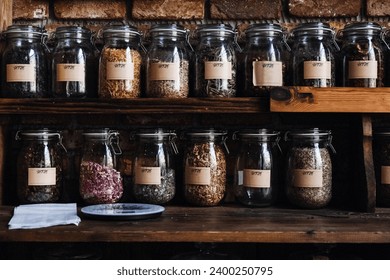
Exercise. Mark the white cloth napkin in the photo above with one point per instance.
(44, 215)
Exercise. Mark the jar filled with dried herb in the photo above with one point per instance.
(154, 167)
(313, 51)
(120, 63)
(24, 66)
(216, 61)
(309, 168)
(100, 181)
(256, 168)
(168, 62)
(40, 166)
(381, 148)
(265, 59)
(362, 55)
(74, 63)
(205, 167)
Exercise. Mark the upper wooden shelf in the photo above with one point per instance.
(132, 106)
(218, 224)
(336, 99)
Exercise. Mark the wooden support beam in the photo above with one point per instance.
(5, 14)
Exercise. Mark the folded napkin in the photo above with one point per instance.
(44, 215)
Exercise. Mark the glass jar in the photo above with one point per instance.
(23, 64)
(309, 168)
(74, 63)
(216, 61)
(256, 169)
(100, 181)
(154, 167)
(205, 168)
(120, 63)
(313, 53)
(40, 166)
(168, 62)
(265, 59)
(362, 55)
(381, 149)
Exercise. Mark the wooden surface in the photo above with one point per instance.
(219, 224)
(348, 100)
(5, 14)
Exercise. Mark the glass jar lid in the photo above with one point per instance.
(358, 28)
(262, 134)
(314, 135)
(100, 134)
(218, 30)
(159, 134)
(264, 29)
(39, 134)
(120, 31)
(24, 31)
(171, 30)
(74, 32)
(312, 28)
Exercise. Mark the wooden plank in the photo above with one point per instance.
(345, 100)
(219, 224)
(5, 14)
(2, 157)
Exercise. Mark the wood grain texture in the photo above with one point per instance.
(5, 14)
(219, 224)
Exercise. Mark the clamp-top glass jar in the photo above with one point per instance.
(362, 55)
(216, 61)
(100, 181)
(205, 168)
(309, 168)
(256, 168)
(265, 59)
(120, 63)
(381, 148)
(313, 53)
(154, 167)
(40, 166)
(24, 64)
(74, 63)
(168, 62)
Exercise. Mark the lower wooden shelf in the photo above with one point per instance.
(219, 224)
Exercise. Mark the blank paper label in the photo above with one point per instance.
(68, 72)
(217, 70)
(164, 71)
(317, 70)
(20, 73)
(257, 178)
(197, 175)
(267, 73)
(42, 176)
(120, 71)
(363, 69)
(307, 178)
(385, 175)
(148, 176)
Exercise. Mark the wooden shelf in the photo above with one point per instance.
(219, 224)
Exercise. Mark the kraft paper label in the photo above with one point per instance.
(120, 71)
(41, 176)
(385, 175)
(68, 72)
(217, 70)
(256, 178)
(267, 73)
(317, 70)
(363, 69)
(197, 175)
(20, 73)
(307, 178)
(164, 71)
(148, 176)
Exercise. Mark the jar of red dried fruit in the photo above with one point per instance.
(100, 181)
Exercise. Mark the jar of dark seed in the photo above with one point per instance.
(216, 61)
(381, 148)
(362, 55)
(256, 168)
(40, 166)
(265, 59)
(120, 63)
(309, 168)
(74, 63)
(100, 181)
(313, 53)
(205, 167)
(24, 66)
(154, 167)
(168, 62)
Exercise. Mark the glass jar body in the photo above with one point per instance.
(168, 63)
(309, 173)
(24, 65)
(204, 171)
(40, 167)
(381, 147)
(100, 182)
